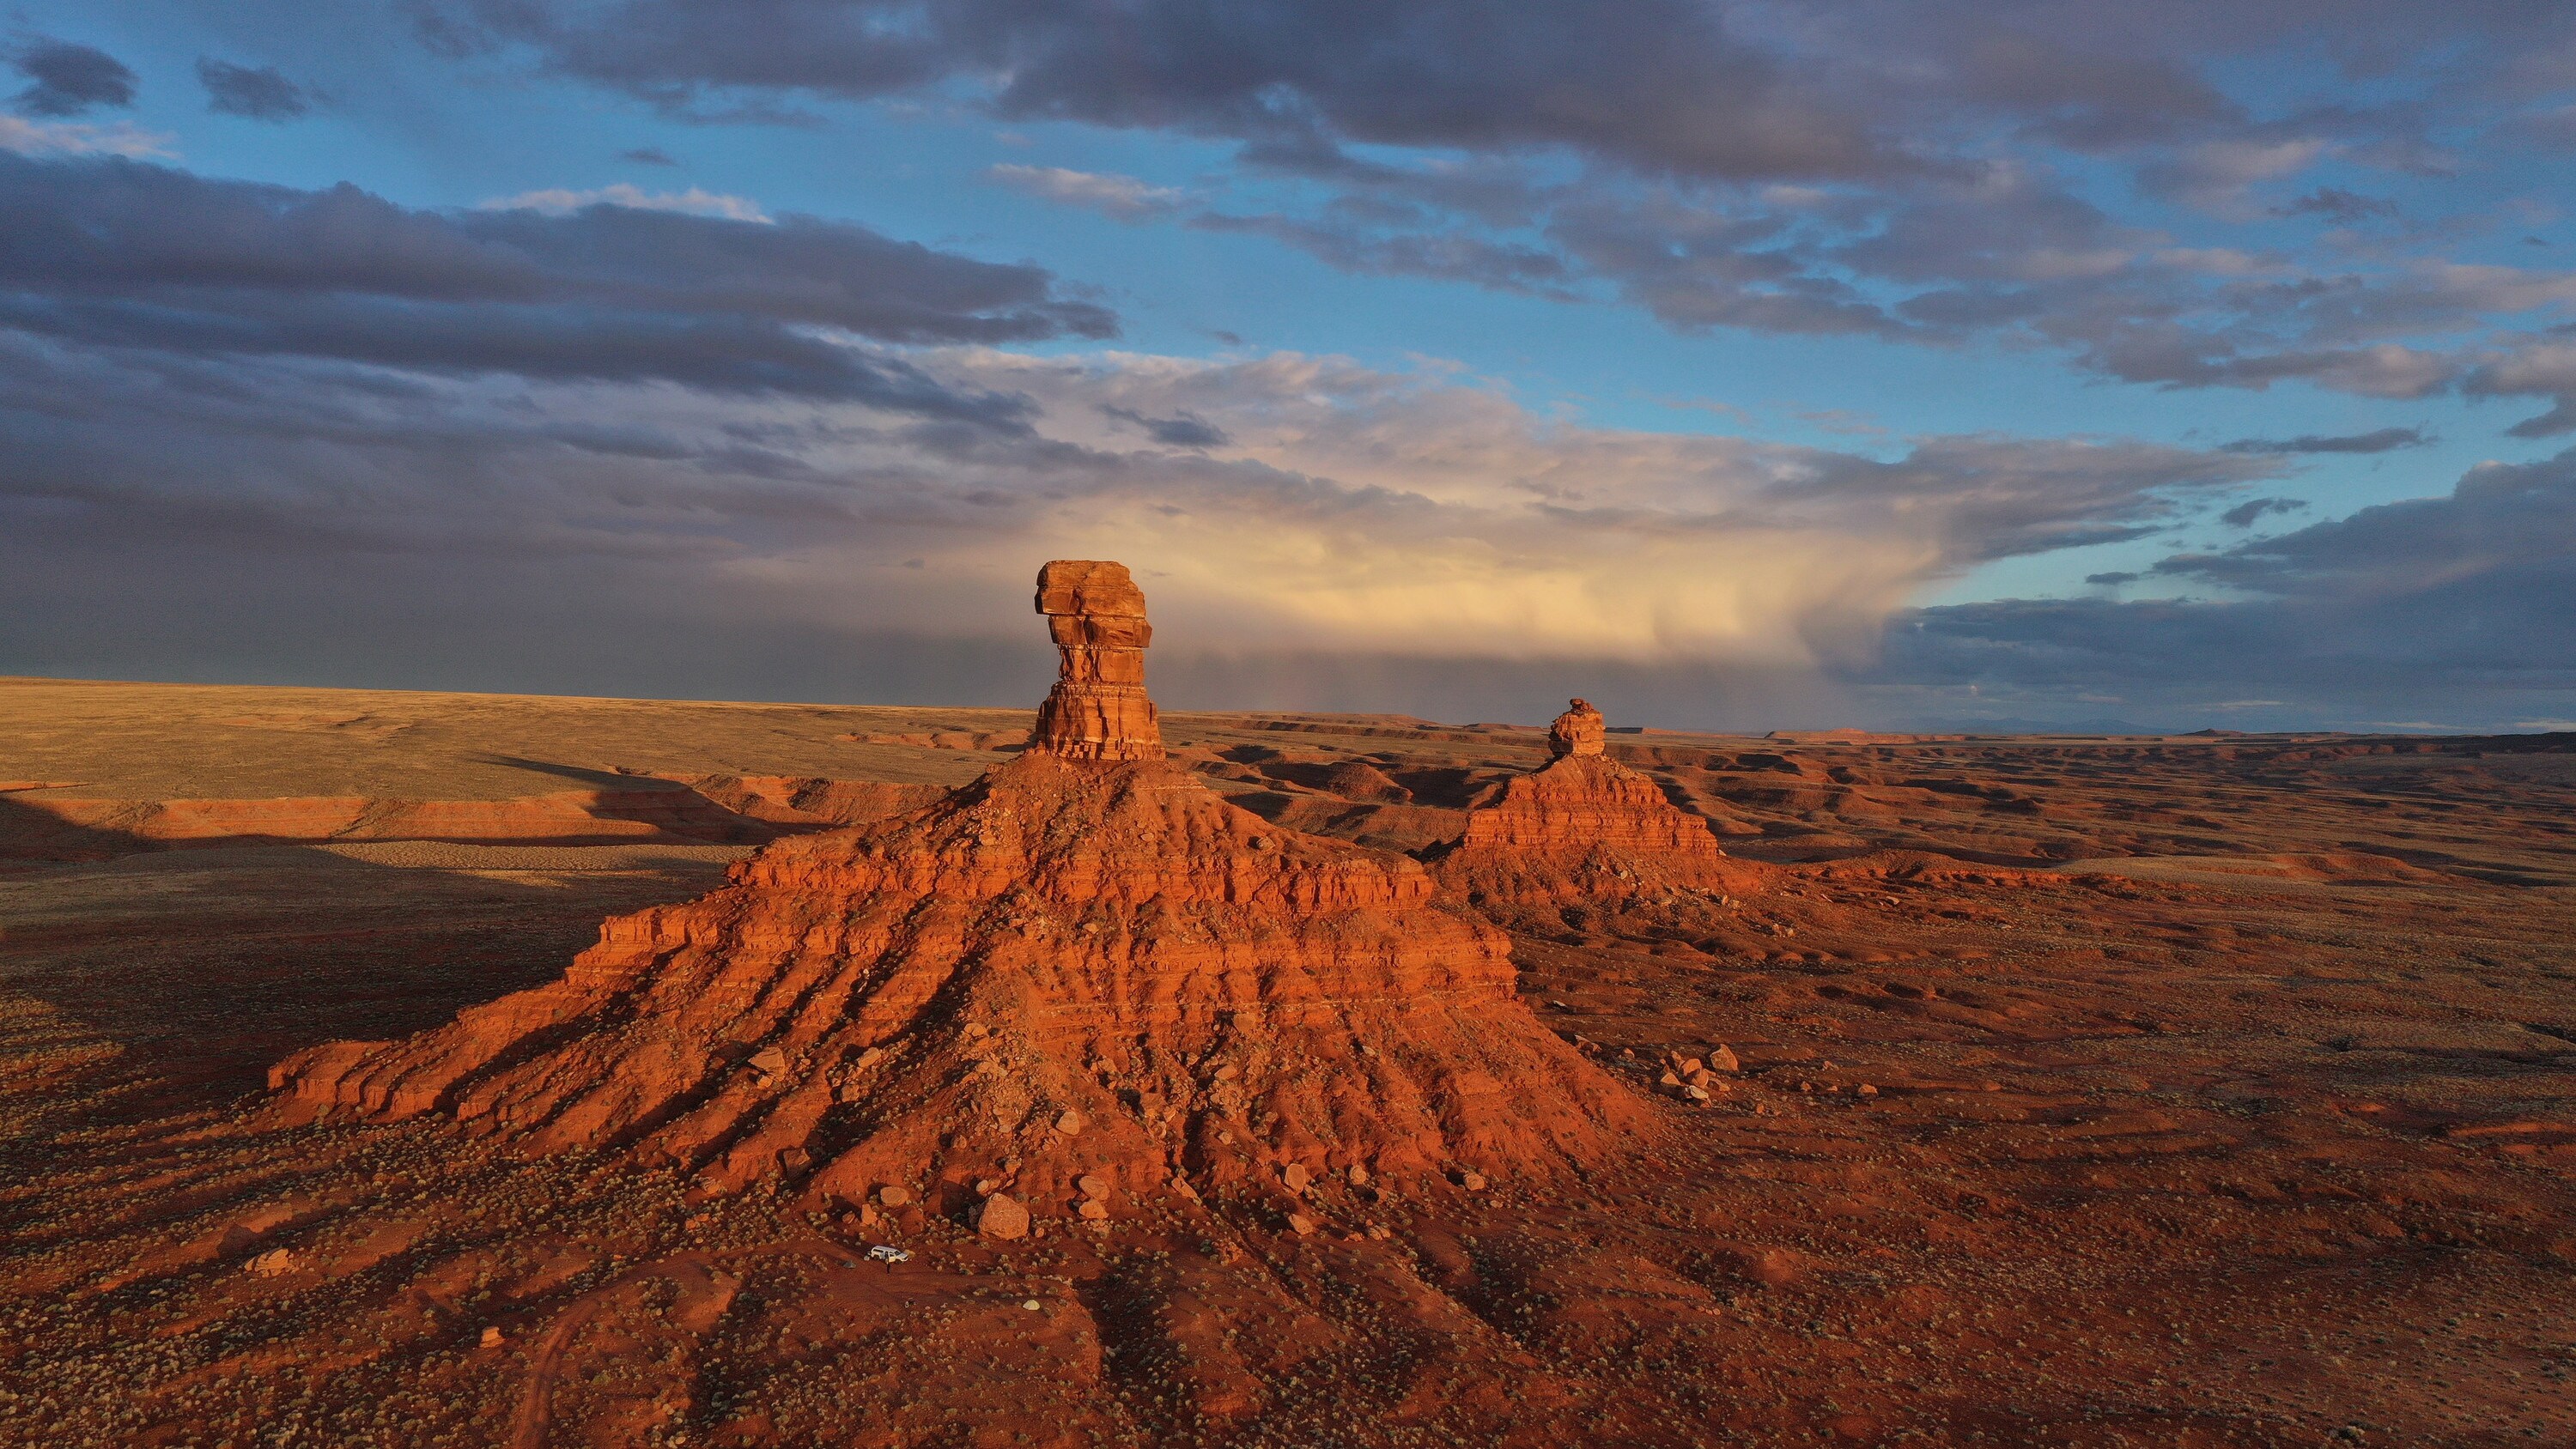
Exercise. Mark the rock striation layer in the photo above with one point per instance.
(1584, 827)
(1081, 980)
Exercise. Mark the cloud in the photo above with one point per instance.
(2377, 440)
(2218, 176)
(118, 254)
(358, 403)
(2343, 208)
(1120, 198)
(1893, 169)
(2459, 610)
(73, 138)
(2536, 366)
(70, 80)
(260, 94)
(2093, 100)
(1659, 83)
(648, 156)
(2253, 510)
(672, 453)
(563, 201)
(2500, 520)
(1342, 242)
(1188, 430)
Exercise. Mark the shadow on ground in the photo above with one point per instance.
(200, 966)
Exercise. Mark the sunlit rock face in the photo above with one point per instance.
(1083, 968)
(1579, 731)
(1098, 709)
(1585, 827)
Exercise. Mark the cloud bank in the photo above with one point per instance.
(248, 403)
(2457, 610)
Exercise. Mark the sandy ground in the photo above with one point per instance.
(2220, 1091)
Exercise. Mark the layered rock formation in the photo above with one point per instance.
(1579, 731)
(1083, 979)
(1582, 827)
(1098, 709)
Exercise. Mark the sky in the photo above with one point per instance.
(2017, 365)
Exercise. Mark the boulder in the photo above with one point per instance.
(1003, 1218)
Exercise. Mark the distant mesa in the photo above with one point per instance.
(1846, 735)
(1082, 982)
(1585, 826)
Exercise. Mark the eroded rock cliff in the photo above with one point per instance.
(1585, 826)
(1080, 982)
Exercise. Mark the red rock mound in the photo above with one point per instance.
(1586, 827)
(1083, 979)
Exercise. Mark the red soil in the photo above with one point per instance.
(2056, 1093)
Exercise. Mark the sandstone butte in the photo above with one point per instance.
(1084, 965)
(1584, 826)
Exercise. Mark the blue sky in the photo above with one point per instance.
(1762, 364)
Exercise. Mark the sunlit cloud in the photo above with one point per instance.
(563, 201)
(1121, 198)
(82, 138)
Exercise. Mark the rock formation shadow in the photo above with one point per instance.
(199, 965)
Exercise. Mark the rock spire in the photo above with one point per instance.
(1098, 709)
(1584, 827)
(1578, 731)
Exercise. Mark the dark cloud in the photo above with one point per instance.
(2003, 497)
(2254, 510)
(261, 93)
(2092, 100)
(2499, 520)
(1187, 430)
(2458, 610)
(124, 255)
(1348, 243)
(1861, 90)
(2114, 578)
(68, 80)
(2378, 440)
(1659, 83)
(648, 156)
(2343, 208)
(1697, 268)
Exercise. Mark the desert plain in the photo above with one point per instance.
(2181, 1091)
